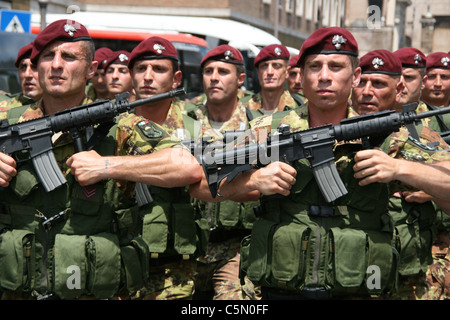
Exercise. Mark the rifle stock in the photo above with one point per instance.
(32, 139)
(315, 145)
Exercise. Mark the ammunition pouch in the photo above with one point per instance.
(169, 226)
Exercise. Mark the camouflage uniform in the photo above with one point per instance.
(439, 269)
(414, 222)
(17, 101)
(276, 276)
(94, 232)
(167, 224)
(229, 222)
(286, 102)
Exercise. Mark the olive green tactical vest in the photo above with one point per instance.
(169, 225)
(303, 244)
(69, 242)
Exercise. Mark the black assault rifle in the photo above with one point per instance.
(33, 137)
(315, 145)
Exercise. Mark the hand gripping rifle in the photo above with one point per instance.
(34, 136)
(315, 145)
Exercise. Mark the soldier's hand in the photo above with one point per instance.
(374, 166)
(276, 178)
(88, 167)
(7, 169)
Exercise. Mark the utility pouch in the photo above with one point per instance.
(135, 265)
(70, 266)
(184, 228)
(103, 255)
(289, 246)
(155, 228)
(349, 250)
(17, 256)
(227, 213)
(260, 246)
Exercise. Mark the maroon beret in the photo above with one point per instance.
(411, 57)
(61, 30)
(293, 62)
(153, 48)
(24, 53)
(101, 56)
(272, 52)
(224, 53)
(438, 60)
(117, 57)
(381, 61)
(332, 40)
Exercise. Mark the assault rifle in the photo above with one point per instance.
(315, 145)
(32, 139)
(197, 148)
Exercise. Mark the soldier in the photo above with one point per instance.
(96, 88)
(302, 246)
(413, 69)
(167, 223)
(229, 221)
(381, 88)
(29, 82)
(271, 64)
(436, 82)
(77, 225)
(294, 80)
(117, 75)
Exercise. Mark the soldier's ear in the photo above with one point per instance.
(91, 70)
(177, 78)
(356, 77)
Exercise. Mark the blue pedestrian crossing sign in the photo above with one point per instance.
(15, 21)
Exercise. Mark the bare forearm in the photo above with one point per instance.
(171, 167)
(432, 179)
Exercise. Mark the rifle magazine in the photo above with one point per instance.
(329, 181)
(48, 171)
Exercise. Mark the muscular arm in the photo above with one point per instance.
(170, 167)
(376, 166)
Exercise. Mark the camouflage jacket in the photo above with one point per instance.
(286, 102)
(17, 101)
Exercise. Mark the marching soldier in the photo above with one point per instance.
(272, 64)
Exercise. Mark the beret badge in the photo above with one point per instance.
(69, 29)
(417, 59)
(123, 57)
(377, 63)
(277, 51)
(445, 61)
(338, 41)
(159, 48)
(228, 55)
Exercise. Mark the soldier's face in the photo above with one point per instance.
(412, 83)
(118, 79)
(221, 81)
(29, 79)
(294, 80)
(376, 92)
(272, 74)
(155, 76)
(99, 81)
(327, 80)
(436, 87)
(63, 69)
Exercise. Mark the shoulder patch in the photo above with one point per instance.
(149, 129)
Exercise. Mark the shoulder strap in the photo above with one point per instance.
(439, 118)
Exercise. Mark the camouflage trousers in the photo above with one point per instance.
(411, 287)
(170, 281)
(218, 271)
(438, 273)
